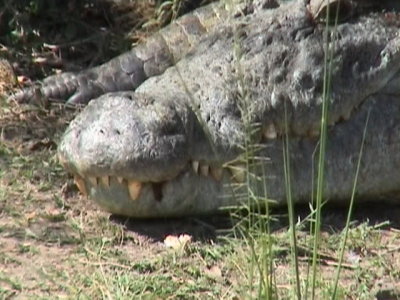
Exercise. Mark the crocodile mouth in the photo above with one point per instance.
(89, 185)
(118, 194)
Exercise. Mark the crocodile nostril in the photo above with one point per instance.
(102, 131)
(117, 131)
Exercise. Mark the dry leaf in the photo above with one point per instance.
(214, 272)
(177, 243)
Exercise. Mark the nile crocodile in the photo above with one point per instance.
(173, 115)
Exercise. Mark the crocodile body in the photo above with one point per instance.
(167, 143)
(129, 70)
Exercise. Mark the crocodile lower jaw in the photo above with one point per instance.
(235, 173)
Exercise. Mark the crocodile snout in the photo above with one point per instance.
(128, 136)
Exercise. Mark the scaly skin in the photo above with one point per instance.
(129, 70)
(164, 149)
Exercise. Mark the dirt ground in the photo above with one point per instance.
(54, 243)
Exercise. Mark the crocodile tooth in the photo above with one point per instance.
(120, 179)
(270, 132)
(216, 173)
(105, 180)
(134, 188)
(204, 170)
(238, 173)
(80, 183)
(195, 166)
(93, 180)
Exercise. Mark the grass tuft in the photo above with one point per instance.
(80, 252)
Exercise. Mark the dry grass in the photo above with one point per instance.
(56, 244)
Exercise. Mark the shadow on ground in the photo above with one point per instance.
(200, 228)
(210, 227)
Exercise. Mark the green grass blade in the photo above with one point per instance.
(349, 213)
(292, 226)
(322, 150)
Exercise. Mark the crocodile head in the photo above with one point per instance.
(136, 157)
(164, 149)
